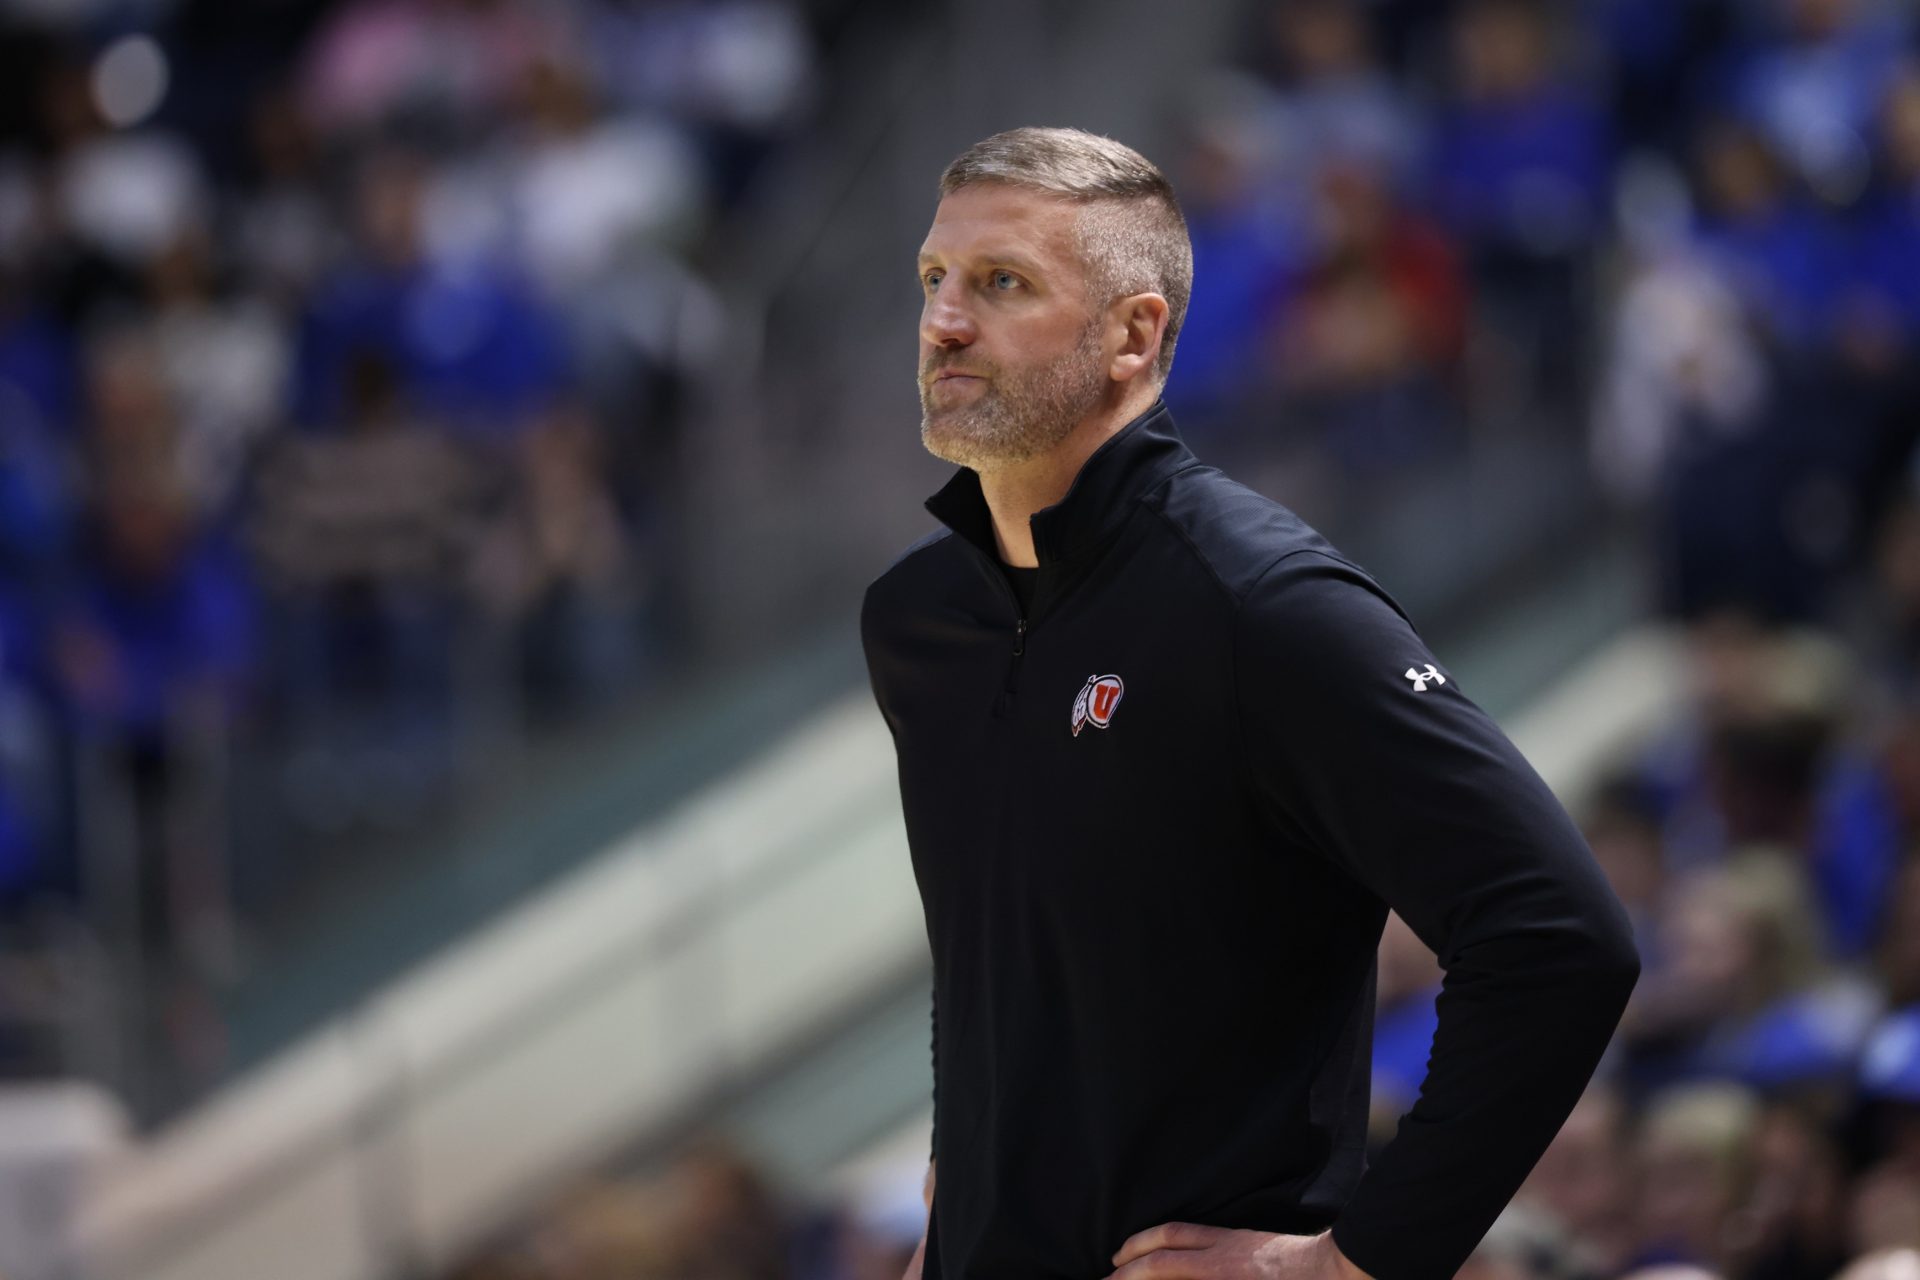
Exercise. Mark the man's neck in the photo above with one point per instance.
(1014, 492)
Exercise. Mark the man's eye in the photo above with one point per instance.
(1008, 277)
(930, 279)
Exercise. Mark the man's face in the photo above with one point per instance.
(1011, 355)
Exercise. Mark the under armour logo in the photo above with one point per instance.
(1421, 678)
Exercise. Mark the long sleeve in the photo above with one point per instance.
(934, 1144)
(893, 732)
(1364, 750)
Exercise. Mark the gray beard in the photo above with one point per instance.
(1019, 416)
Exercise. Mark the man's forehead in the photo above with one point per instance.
(1001, 221)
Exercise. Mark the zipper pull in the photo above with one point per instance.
(1020, 637)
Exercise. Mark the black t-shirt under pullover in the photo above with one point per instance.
(1022, 580)
(1157, 816)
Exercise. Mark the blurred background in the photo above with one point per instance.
(445, 832)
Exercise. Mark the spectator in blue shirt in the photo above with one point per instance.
(1519, 168)
(471, 344)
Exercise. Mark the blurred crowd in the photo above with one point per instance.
(341, 354)
(712, 1215)
(1671, 234)
(340, 347)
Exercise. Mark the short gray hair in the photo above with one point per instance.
(1133, 237)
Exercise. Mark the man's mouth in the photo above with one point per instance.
(953, 387)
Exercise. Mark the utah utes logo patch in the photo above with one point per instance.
(1098, 697)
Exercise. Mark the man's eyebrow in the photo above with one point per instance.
(1007, 257)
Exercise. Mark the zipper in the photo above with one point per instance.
(1003, 705)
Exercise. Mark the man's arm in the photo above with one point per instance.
(1363, 748)
(933, 1052)
(893, 731)
(933, 1014)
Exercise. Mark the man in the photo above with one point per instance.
(1166, 760)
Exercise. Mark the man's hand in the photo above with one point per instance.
(1190, 1251)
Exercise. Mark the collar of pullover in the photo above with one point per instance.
(1127, 464)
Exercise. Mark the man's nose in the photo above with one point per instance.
(945, 323)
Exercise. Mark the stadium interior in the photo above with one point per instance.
(445, 828)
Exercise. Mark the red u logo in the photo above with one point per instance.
(1104, 696)
(1096, 702)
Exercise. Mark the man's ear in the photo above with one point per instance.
(1142, 322)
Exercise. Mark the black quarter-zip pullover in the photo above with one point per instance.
(1157, 818)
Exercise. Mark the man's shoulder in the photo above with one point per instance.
(1295, 596)
(1242, 536)
(924, 560)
